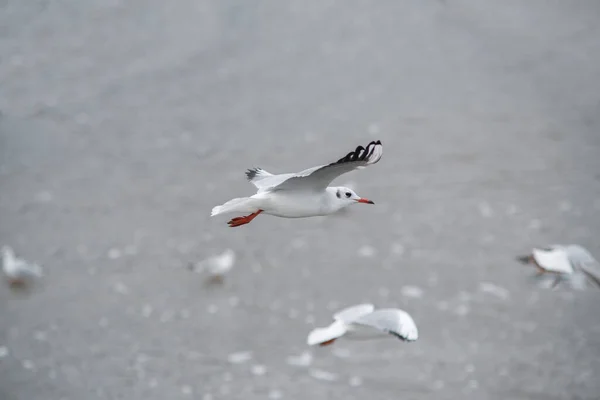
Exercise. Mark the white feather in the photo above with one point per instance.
(579, 255)
(390, 320)
(554, 260)
(352, 313)
(17, 269)
(363, 322)
(217, 265)
(322, 335)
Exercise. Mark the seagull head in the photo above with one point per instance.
(346, 196)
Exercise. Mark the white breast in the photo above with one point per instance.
(295, 204)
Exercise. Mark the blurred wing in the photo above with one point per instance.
(320, 177)
(393, 321)
(350, 314)
(591, 273)
(555, 260)
(21, 269)
(33, 270)
(580, 255)
(322, 335)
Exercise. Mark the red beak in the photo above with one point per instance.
(366, 201)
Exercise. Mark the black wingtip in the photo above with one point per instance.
(399, 336)
(361, 153)
(251, 173)
(523, 259)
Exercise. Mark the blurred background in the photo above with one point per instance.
(124, 122)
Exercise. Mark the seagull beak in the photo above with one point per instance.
(366, 201)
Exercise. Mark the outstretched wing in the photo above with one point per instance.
(393, 321)
(320, 177)
(554, 260)
(350, 314)
(579, 255)
(592, 274)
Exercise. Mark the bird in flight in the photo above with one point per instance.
(362, 321)
(18, 272)
(563, 262)
(303, 194)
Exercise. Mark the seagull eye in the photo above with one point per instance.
(339, 196)
(348, 194)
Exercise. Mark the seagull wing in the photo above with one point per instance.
(393, 321)
(591, 273)
(554, 260)
(320, 177)
(350, 314)
(580, 255)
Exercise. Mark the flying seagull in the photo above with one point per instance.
(303, 194)
(18, 272)
(216, 267)
(562, 261)
(362, 322)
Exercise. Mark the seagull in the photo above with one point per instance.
(17, 271)
(362, 321)
(562, 261)
(217, 266)
(303, 194)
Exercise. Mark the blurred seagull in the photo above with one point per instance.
(362, 321)
(216, 266)
(563, 262)
(18, 272)
(302, 194)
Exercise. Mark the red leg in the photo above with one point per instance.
(327, 343)
(238, 221)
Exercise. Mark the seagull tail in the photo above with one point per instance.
(242, 204)
(325, 336)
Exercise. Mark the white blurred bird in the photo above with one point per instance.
(216, 266)
(303, 194)
(18, 272)
(362, 321)
(563, 261)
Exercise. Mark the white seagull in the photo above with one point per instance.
(17, 271)
(562, 261)
(302, 194)
(216, 266)
(362, 322)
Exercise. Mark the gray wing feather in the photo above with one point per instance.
(591, 273)
(580, 255)
(320, 177)
(264, 180)
(393, 321)
(352, 313)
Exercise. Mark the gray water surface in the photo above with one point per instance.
(124, 123)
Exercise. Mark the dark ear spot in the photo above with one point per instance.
(338, 194)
